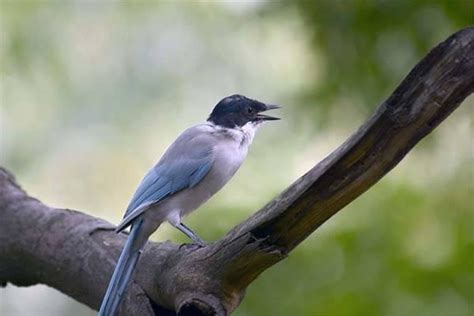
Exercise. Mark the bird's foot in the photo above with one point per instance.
(193, 245)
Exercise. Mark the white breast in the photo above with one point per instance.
(229, 156)
(231, 149)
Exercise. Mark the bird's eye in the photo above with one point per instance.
(249, 110)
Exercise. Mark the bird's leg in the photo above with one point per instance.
(188, 232)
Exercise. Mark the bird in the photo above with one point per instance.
(194, 167)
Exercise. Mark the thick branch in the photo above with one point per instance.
(76, 253)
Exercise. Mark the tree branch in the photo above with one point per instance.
(76, 253)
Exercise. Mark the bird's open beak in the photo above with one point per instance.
(263, 117)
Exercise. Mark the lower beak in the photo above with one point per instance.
(263, 117)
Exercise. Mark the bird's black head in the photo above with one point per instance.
(237, 110)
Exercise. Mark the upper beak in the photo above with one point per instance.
(264, 117)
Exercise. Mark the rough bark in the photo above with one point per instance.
(76, 253)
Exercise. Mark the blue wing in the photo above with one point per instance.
(167, 179)
(183, 166)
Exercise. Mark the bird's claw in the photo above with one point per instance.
(193, 245)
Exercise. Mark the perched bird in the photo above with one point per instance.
(197, 165)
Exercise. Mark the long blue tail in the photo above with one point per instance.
(122, 273)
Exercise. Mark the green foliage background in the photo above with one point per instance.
(92, 94)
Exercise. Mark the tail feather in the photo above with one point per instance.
(122, 273)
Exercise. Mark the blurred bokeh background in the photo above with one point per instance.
(92, 94)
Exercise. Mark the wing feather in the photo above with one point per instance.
(184, 165)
